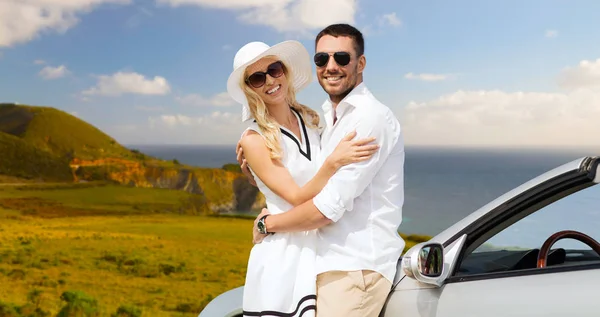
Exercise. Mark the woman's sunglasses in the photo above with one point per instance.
(258, 79)
(341, 58)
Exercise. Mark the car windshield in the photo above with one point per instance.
(517, 246)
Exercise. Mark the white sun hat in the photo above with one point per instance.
(293, 54)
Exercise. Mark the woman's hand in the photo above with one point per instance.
(352, 151)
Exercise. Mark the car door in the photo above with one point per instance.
(497, 272)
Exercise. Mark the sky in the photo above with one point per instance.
(464, 73)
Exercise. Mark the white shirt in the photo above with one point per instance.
(363, 199)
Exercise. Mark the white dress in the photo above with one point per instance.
(281, 279)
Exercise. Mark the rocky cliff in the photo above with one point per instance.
(225, 191)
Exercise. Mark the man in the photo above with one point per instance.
(359, 211)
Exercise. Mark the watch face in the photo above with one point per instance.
(261, 227)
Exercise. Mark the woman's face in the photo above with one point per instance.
(267, 78)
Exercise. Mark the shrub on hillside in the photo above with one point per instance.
(232, 168)
(127, 311)
(30, 309)
(78, 304)
(21, 160)
(8, 310)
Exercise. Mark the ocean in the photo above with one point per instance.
(442, 185)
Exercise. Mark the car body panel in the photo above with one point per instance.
(549, 295)
(413, 301)
(533, 295)
(228, 304)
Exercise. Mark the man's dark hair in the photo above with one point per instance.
(347, 30)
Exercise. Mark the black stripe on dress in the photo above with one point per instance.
(282, 314)
(307, 153)
(289, 135)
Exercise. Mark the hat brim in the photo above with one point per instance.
(296, 59)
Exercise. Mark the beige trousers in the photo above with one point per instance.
(351, 294)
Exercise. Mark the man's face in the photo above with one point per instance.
(337, 80)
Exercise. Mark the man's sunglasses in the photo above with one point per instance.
(258, 79)
(341, 58)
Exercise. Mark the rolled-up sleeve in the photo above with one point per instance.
(351, 180)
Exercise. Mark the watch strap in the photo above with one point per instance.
(262, 221)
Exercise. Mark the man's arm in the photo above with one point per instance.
(348, 183)
(303, 217)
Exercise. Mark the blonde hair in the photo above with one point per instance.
(268, 125)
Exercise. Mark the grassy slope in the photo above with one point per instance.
(131, 254)
(37, 143)
(59, 133)
(124, 247)
(20, 159)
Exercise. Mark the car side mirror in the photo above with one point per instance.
(425, 262)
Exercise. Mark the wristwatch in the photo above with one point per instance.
(261, 226)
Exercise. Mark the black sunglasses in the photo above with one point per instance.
(258, 79)
(341, 58)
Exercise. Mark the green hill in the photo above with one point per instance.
(22, 160)
(59, 133)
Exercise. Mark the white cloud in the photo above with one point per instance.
(501, 118)
(136, 19)
(380, 24)
(129, 83)
(222, 99)
(24, 20)
(221, 4)
(174, 120)
(214, 128)
(218, 100)
(215, 119)
(498, 118)
(50, 72)
(149, 108)
(282, 15)
(586, 74)
(551, 33)
(39, 62)
(427, 77)
(366, 30)
(389, 19)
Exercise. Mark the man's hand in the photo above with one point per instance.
(242, 161)
(258, 237)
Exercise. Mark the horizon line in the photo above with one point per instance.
(423, 146)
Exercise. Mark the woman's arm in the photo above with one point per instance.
(277, 177)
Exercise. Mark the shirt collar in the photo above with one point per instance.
(352, 99)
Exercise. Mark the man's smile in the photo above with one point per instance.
(333, 79)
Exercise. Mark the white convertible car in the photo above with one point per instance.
(533, 251)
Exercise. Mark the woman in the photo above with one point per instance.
(281, 146)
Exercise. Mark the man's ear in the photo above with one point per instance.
(362, 63)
